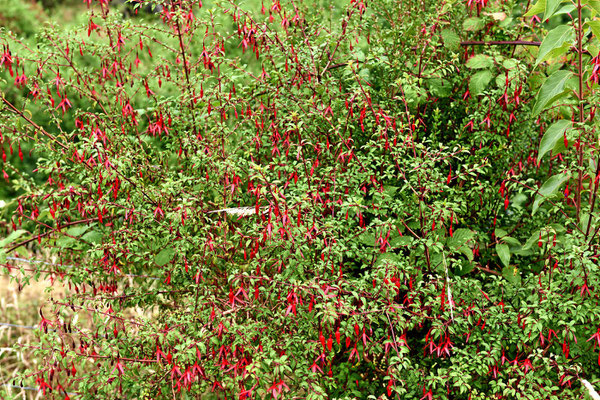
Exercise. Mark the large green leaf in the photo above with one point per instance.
(595, 27)
(593, 4)
(93, 237)
(451, 39)
(556, 43)
(479, 82)
(473, 24)
(512, 275)
(504, 253)
(439, 87)
(552, 89)
(12, 237)
(77, 230)
(479, 61)
(164, 256)
(553, 136)
(548, 189)
(459, 242)
(537, 8)
(551, 7)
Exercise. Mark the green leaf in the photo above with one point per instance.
(451, 39)
(553, 135)
(164, 256)
(77, 230)
(459, 242)
(12, 237)
(551, 7)
(479, 82)
(460, 238)
(504, 253)
(439, 87)
(593, 5)
(367, 238)
(92, 237)
(473, 24)
(537, 8)
(512, 275)
(479, 61)
(556, 43)
(548, 189)
(566, 9)
(551, 90)
(464, 268)
(595, 27)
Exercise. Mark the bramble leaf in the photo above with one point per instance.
(165, 256)
(479, 61)
(479, 82)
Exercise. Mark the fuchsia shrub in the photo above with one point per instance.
(305, 200)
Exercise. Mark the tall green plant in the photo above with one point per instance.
(294, 201)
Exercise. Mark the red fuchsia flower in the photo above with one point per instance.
(20, 80)
(43, 385)
(534, 20)
(35, 92)
(119, 367)
(594, 78)
(44, 323)
(427, 395)
(277, 388)
(65, 104)
(6, 60)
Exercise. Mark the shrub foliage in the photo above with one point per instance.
(384, 199)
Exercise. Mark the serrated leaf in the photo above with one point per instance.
(479, 61)
(465, 268)
(511, 241)
(551, 90)
(459, 242)
(553, 135)
(551, 7)
(504, 253)
(451, 39)
(439, 87)
(165, 256)
(512, 275)
(92, 237)
(460, 238)
(479, 82)
(473, 24)
(548, 189)
(77, 230)
(367, 238)
(537, 8)
(556, 43)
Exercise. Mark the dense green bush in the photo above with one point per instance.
(311, 200)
